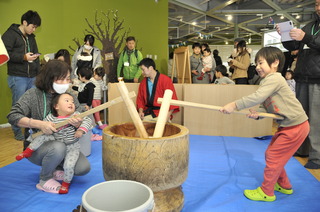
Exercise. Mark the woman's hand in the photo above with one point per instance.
(228, 108)
(75, 121)
(47, 127)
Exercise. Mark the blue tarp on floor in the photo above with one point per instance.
(220, 168)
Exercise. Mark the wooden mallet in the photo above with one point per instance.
(91, 111)
(132, 110)
(163, 114)
(212, 107)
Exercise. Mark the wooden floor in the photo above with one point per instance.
(11, 147)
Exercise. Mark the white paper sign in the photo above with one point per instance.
(285, 28)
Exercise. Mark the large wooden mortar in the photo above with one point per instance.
(160, 163)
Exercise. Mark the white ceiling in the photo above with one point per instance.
(206, 20)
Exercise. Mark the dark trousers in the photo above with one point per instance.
(242, 81)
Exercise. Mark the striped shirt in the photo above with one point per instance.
(98, 89)
(66, 132)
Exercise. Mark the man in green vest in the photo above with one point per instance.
(130, 57)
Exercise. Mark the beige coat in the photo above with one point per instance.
(241, 64)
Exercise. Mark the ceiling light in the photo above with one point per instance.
(226, 42)
(297, 15)
(194, 23)
(229, 17)
(261, 16)
(281, 16)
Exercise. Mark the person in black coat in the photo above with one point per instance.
(24, 63)
(217, 58)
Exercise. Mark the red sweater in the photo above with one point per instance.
(161, 83)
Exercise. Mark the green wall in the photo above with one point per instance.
(64, 20)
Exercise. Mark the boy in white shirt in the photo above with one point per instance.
(221, 75)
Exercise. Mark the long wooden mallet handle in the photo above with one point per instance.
(132, 110)
(91, 111)
(163, 114)
(212, 107)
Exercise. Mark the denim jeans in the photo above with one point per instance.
(18, 86)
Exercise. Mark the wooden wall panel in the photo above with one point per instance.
(201, 121)
(209, 122)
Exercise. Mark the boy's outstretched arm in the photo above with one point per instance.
(228, 108)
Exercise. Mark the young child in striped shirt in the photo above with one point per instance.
(97, 80)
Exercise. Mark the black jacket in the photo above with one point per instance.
(308, 63)
(86, 95)
(16, 46)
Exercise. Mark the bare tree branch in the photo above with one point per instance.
(110, 31)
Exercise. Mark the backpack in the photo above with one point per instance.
(251, 71)
(123, 52)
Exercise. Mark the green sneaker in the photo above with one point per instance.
(258, 195)
(277, 187)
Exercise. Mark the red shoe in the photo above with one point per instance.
(64, 188)
(25, 154)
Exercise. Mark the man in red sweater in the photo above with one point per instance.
(151, 88)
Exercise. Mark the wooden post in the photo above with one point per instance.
(132, 110)
(181, 60)
(163, 114)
